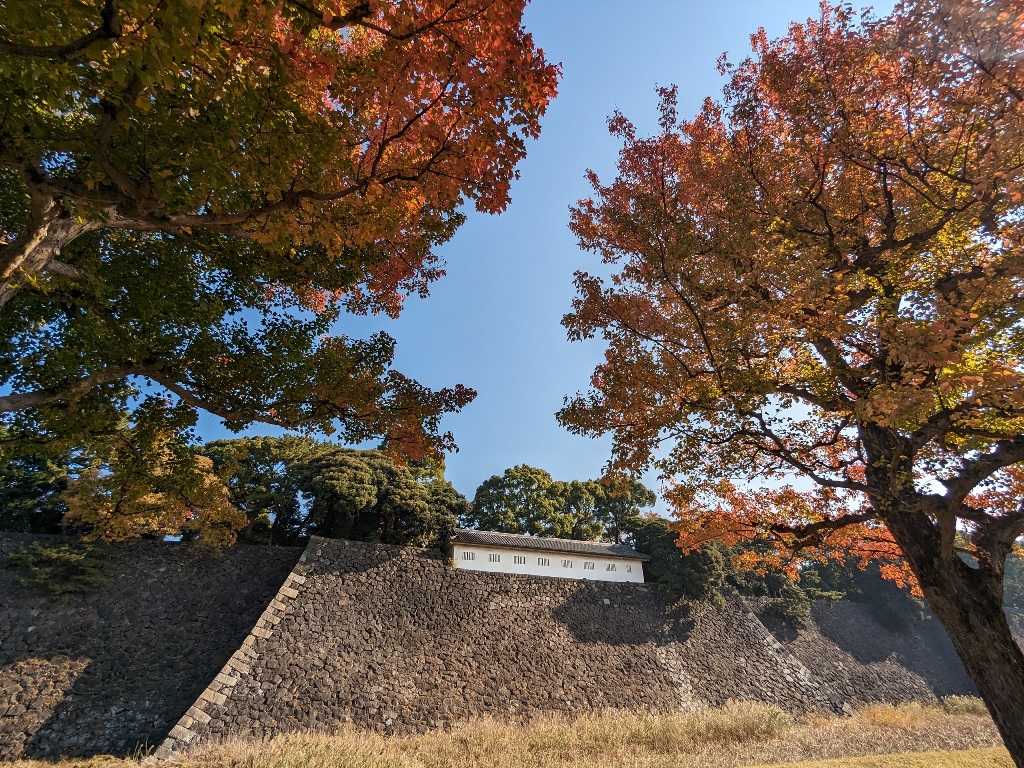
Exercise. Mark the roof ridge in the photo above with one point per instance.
(543, 537)
(548, 543)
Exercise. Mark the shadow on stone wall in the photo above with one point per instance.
(922, 648)
(781, 629)
(113, 671)
(844, 645)
(622, 614)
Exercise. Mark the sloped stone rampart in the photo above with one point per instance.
(188, 644)
(396, 640)
(844, 646)
(113, 671)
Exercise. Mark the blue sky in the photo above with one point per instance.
(494, 322)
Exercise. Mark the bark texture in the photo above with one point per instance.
(968, 601)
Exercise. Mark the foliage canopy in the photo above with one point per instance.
(193, 192)
(822, 275)
(527, 500)
(291, 488)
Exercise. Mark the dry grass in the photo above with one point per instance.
(994, 757)
(740, 734)
(964, 705)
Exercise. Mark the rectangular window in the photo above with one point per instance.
(543, 561)
(469, 555)
(588, 566)
(567, 563)
(494, 558)
(519, 559)
(611, 567)
(629, 569)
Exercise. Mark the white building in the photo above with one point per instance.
(540, 556)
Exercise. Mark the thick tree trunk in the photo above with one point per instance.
(969, 604)
(49, 229)
(981, 635)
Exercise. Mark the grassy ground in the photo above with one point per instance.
(736, 735)
(994, 757)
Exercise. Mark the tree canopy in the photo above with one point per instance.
(31, 488)
(142, 477)
(527, 500)
(820, 276)
(193, 192)
(291, 488)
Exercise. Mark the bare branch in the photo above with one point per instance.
(813, 533)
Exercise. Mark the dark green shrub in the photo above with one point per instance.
(697, 575)
(792, 606)
(63, 569)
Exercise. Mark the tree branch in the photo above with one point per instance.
(198, 401)
(71, 393)
(813, 533)
(109, 29)
(1007, 453)
(360, 12)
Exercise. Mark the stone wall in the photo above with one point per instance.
(845, 647)
(113, 671)
(396, 640)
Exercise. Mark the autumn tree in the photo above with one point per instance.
(819, 281)
(146, 479)
(193, 192)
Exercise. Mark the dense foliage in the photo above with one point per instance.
(698, 575)
(31, 488)
(527, 500)
(822, 275)
(61, 569)
(194, 192)
(292, 488)
(262, 490)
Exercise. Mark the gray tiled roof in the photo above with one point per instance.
(517, 541)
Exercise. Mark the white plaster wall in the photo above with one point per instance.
(625, 569)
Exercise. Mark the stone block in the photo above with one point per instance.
(213, 697)
(178, 732)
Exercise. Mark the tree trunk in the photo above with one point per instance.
(969, 604)
(48, 230)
